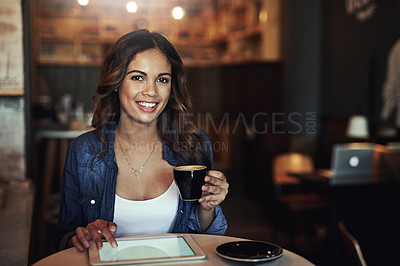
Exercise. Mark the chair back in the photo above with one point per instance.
(290, 162)
(352, 247)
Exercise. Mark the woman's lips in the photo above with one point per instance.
(147, 106)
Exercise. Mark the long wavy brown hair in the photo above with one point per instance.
(173, 129)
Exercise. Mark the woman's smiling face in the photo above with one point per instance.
(146, 88)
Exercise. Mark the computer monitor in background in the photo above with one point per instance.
(352, 163)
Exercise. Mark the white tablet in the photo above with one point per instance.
(146, 249)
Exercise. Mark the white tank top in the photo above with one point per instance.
(153, 216)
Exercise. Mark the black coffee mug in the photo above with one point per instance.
(190, 179)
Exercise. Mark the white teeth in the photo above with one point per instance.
(146, 104)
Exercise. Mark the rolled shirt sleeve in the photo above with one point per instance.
(217, 227)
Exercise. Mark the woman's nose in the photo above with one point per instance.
(150, 89)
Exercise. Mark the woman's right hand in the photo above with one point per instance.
(94, 231)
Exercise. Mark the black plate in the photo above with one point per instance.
(249, 251)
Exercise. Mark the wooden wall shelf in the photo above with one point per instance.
(233, 31)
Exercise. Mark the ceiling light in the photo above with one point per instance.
(177, 12)
(131, 7)
(83, 2)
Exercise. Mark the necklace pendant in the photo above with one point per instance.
(137, 175)
(137, 170)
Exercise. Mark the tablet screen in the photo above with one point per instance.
(135, 249)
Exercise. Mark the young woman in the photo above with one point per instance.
(118, 179)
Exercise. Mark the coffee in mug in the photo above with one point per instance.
(190, 179)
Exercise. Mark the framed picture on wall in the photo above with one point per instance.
(11, 48)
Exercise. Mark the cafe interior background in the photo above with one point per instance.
(268, 77)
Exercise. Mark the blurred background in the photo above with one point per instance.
(268, 77)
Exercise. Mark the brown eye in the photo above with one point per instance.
(139, 78)
(163, 80)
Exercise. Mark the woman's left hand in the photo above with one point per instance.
(214, 191)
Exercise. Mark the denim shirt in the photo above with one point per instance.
(88, 190)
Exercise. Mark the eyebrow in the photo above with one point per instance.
(144, 74)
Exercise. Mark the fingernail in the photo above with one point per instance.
(86, 244)
(114, 245)
(99, 246)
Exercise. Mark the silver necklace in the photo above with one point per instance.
(136, 172)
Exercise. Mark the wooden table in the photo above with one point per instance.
(370, 212)
(207, 242)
